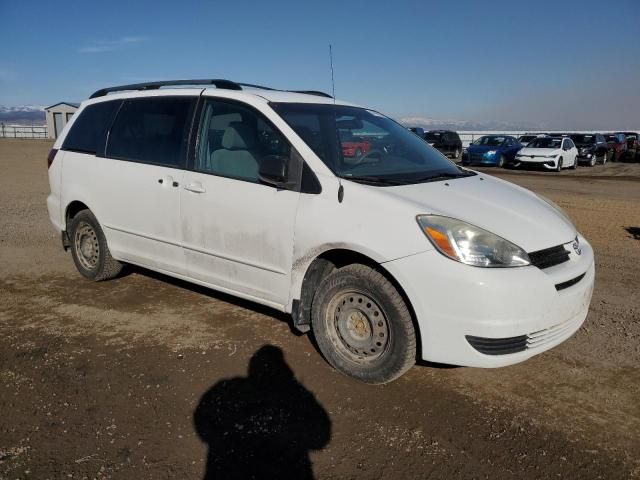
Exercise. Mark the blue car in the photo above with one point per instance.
(492, 150)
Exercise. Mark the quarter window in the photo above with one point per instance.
(88, 132)
(234, 139)
(152, 130)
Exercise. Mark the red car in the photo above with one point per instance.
(355, 148)
(617, 145)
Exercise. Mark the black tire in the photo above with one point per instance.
(457, 153)
(593, 161)
(345, 305)
(500, 162)
(574, 165)
(89, 248)
(559, 166)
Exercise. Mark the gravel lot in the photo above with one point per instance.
(149, 377)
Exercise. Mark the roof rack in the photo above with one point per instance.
(218, 83)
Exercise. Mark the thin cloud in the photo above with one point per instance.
(98, 46)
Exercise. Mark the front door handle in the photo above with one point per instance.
(195, 187)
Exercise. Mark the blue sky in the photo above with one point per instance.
(564, 64)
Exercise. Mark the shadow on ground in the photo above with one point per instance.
(262, 426)
(634, 232)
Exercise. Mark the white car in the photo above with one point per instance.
(552, 153)
(395, 255)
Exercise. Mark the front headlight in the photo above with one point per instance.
(469, 244)
(491, 153)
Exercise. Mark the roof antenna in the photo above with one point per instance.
(333, 94)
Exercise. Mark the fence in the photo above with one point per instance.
(23, 131)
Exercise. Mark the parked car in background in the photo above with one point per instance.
(617, 145)
(496, 150)
(447, 141)
(633, 145)
(418, 131)
(353, 146)
(592, 148)
(551, 153)
(525, 139)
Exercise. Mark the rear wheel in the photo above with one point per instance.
(89, 248)
(363, 326)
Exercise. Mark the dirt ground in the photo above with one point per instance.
(149, 377)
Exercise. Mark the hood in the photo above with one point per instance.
(482, 148)
(539, 152)
(510, 211)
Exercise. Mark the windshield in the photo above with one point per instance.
(363, 145)
(490, 141)
(583, 139)
(526, 138)
(545, 142)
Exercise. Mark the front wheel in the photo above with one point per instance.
(559, 166)
(500, 162)
(363, 326)
(593, 161)
(456, 154)
(89, 248)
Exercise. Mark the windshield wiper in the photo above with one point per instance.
(444, 176)
(375, 180)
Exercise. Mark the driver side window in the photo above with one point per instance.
(234, 139)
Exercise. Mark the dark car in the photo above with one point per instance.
(592, 148)
(617, 146)
(633, 146)
(525, 139)
(496, 150)
(447, 141)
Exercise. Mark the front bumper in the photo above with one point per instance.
(453, 301)
(544, 162)
(479, 159)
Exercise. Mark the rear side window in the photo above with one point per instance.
(152, 130)
(88, 131)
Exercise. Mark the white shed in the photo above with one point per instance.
(57, 117)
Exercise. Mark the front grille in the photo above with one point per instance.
(569, 283)
(498, 346)
(476, 157)
(549, 257)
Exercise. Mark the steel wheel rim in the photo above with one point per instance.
(86, 246)
(358, 328)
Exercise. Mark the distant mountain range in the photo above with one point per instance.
(464, 125)
(22, 115)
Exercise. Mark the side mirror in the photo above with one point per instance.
(274, 170)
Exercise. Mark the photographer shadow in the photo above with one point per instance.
(262, 426)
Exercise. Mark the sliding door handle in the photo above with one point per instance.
(195, 187)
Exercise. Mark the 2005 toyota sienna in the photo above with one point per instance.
(388, 252)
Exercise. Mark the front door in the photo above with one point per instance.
(237, 232)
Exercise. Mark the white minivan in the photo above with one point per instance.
(383, 248)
